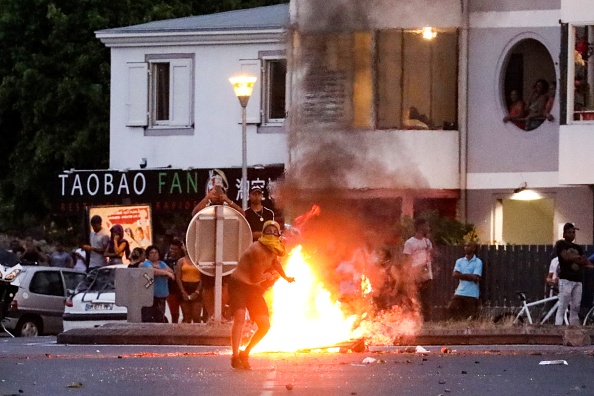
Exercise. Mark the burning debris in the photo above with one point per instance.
(333, 305)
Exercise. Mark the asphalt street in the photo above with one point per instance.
(40, 366)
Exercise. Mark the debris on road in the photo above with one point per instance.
(420, 349)
(75, 385)
(548, 362)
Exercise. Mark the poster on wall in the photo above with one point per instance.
(135, 219)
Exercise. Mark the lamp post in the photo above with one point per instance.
(243, 87)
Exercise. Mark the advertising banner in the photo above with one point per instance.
(135, 219)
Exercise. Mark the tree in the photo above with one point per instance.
(54, 90)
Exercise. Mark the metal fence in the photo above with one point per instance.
(507, 269)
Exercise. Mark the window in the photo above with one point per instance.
(387, 79)
(267, 105)
(581, 72)
(48, 283)
(275, 75)
(529, 84)
(160, 94)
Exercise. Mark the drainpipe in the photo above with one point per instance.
(463, 112)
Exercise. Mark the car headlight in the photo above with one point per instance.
(12, 274)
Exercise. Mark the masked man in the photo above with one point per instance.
(246, 289)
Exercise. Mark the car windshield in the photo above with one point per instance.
(97, 281)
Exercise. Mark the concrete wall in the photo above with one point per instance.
(572, 204)
(494, 146)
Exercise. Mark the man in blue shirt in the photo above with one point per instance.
(468, 270)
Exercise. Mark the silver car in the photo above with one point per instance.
(38, 305)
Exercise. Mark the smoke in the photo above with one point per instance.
(357, 176)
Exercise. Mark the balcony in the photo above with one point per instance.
(379, 159)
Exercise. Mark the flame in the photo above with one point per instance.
(306, 316)
(313, 212)
(303, 313)
(365, 285)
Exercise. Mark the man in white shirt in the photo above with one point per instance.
(418, 251)
(98, 243)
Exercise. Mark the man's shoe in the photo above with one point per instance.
(236, 362)
(243, 357)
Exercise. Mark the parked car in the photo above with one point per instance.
(38, 305)
(92, 302)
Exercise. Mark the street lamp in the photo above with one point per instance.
(243, 87)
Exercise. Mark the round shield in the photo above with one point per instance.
(217, 234)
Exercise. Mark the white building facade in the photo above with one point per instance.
(171, 101)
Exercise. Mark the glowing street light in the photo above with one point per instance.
(428, 33)
(243, 87)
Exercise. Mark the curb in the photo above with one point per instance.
(219, 335)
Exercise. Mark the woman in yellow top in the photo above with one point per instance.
(188, 279)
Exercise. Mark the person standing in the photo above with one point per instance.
(572, 262)
(257, 214)
(188, 277)
(61, 258)
(99, 240)
(418, 251)
(137, 257)
(162, 272)
(174, 299)
(468, 270)
(246, 289)
(216, 195)
(118, 248)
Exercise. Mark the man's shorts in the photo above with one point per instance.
(242, 295)
(208, 282)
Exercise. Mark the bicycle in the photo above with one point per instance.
(525, 311)
(589, 318)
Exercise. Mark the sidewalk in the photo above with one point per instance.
(219, 335)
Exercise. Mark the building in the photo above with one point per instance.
(420, 90)
(171, 101)
(397, 106)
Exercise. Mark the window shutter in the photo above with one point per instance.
(137, 95)
(253, 67)
(181, 93)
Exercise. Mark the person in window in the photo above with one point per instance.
(416, 120)
(550, 101)
(118, 248)
(536, 104)
(517, 110)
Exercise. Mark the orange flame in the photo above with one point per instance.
(303, 314)
(365, 285)
(301, 220)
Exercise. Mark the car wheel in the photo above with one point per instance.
(28, 327)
